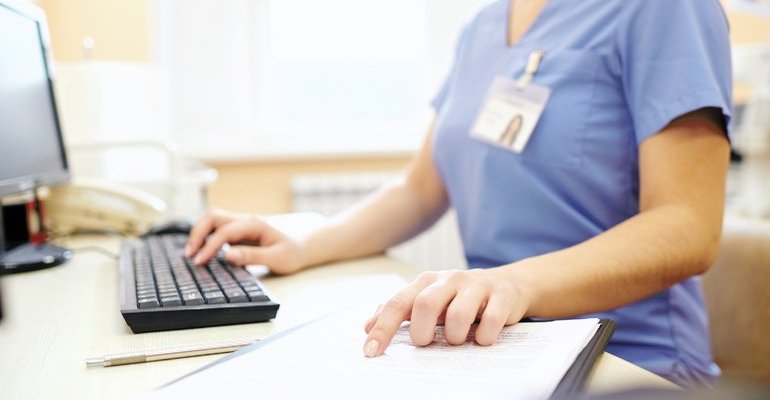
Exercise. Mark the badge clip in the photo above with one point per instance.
(533, 65)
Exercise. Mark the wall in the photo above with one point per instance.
(234, 189)
(265, 187)
(746, 29)
(121, 29)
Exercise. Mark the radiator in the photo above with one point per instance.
(437, 248)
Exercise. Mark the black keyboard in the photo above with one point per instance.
(162, 290)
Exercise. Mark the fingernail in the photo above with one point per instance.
(198, 260)
(370, 350)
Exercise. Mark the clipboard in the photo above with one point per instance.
(571, 385)
(574, 381)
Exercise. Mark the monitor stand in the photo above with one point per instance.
(30, 256)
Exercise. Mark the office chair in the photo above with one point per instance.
(737, 289)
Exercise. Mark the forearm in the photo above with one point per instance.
(397, 212)
(394, 214)
(675, 236)
(630, 262)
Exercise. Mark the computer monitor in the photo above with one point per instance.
(31, 147)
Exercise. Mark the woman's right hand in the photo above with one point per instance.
(251, 239)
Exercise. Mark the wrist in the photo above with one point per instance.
(523, 284)
(312, 249)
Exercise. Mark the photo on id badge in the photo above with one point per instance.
(513, 129)
(510, 114)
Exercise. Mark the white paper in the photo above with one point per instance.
(325, 360)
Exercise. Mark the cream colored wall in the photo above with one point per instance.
(120, 28)
(746, 29)
(122, 32)
(265, 187)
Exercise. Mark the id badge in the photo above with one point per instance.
(510, 114)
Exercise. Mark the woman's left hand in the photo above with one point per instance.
(456, 298)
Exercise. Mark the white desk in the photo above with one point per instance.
(56, 318)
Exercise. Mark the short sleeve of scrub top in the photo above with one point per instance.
(619, 71)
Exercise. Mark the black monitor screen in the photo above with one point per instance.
(31, 149)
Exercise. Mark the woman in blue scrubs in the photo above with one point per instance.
(612, 209)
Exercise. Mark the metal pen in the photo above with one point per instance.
(170, 353)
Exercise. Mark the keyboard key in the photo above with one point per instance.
(145, 293)
(231, 285)
(242, 275)
(236, 295)
(209, 287)
(193, 299)
(188, 288)
(223, 276)
(223, 279)
(257, 296)
(171, 301)
(214, 297)
(148, 303)
(150, 300)
(202, 275)
(145, 287)
(145, 283)
(250, 286)
(167, 288)
(181, 241)
(168, 294)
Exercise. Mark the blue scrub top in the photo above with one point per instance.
(620, 71)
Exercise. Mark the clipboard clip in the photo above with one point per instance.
(533, 65)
